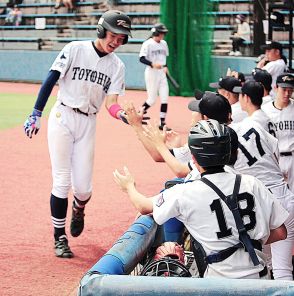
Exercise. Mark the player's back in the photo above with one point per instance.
(210, 221)
(264, 120)
(257, 153)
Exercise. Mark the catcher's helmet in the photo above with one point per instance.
(166, 267)
(116, 22)
(159, 28)
(209, 142)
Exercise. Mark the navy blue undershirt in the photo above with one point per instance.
(46, 89)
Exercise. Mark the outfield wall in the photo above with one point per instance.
(33, 66)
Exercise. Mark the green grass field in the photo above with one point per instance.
(15, 108)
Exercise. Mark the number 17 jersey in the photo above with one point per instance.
(257, 153)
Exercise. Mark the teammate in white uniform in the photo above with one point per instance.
(273, 61)
(265, 78)
(251, 100)
(225, 87)
(179, 159)
(153, 54)
(258, 156)
(206, 215)
(281, 113)
(88, 72)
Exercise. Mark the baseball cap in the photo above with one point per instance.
(253, 89)
(264, 77)
(228, 83)
(211, 104)
(241, 17)
(285, 80)
(272, 45)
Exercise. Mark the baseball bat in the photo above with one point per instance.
(173, 81)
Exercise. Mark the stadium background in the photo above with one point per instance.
(198, 37)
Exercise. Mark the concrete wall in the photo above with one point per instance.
(33, 66)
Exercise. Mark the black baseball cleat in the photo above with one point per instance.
(167, 128)
(62, 249)
(77, 221)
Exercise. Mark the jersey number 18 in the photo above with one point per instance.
(216, 206)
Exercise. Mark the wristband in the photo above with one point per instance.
(37, 113)
(113, 109)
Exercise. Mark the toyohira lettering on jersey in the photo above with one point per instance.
(283, 125)
(158, 52)
(92, 76)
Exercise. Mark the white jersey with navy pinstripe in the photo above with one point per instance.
(86, 78)
(283, 120)
(155, 52)
(257, 153)
(210, 221)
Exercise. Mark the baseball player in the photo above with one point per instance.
(153, 54)
(88, 73)
(203, 206)
(281, 113)
(258, 156)
(179, 159)
(273, 61)
(265, 78)
(250, 98)
(225, 87)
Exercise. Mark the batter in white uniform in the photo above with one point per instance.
(206, 216)
(88, 72)
(153, 54)
(281, 112)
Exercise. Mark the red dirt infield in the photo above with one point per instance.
(28, 264)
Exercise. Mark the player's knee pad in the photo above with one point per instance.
(82, 196)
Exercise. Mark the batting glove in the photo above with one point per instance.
(123, 117)
(33, 123)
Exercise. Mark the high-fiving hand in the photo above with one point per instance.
(124, 181)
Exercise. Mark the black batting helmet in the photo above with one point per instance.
(159, 28)
(116, 22)
(209, 142)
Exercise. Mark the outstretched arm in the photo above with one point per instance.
(180, 169)
(127, 184)
(135, 120)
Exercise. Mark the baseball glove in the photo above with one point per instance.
(171, 250)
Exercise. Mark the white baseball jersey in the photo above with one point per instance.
(155, 52)
(283, 126)
(263, 119)
(257, 153)
(86, 78)
(210, 221)
(275, 68)
(267, 99)
(237, 113)
(183, 154)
